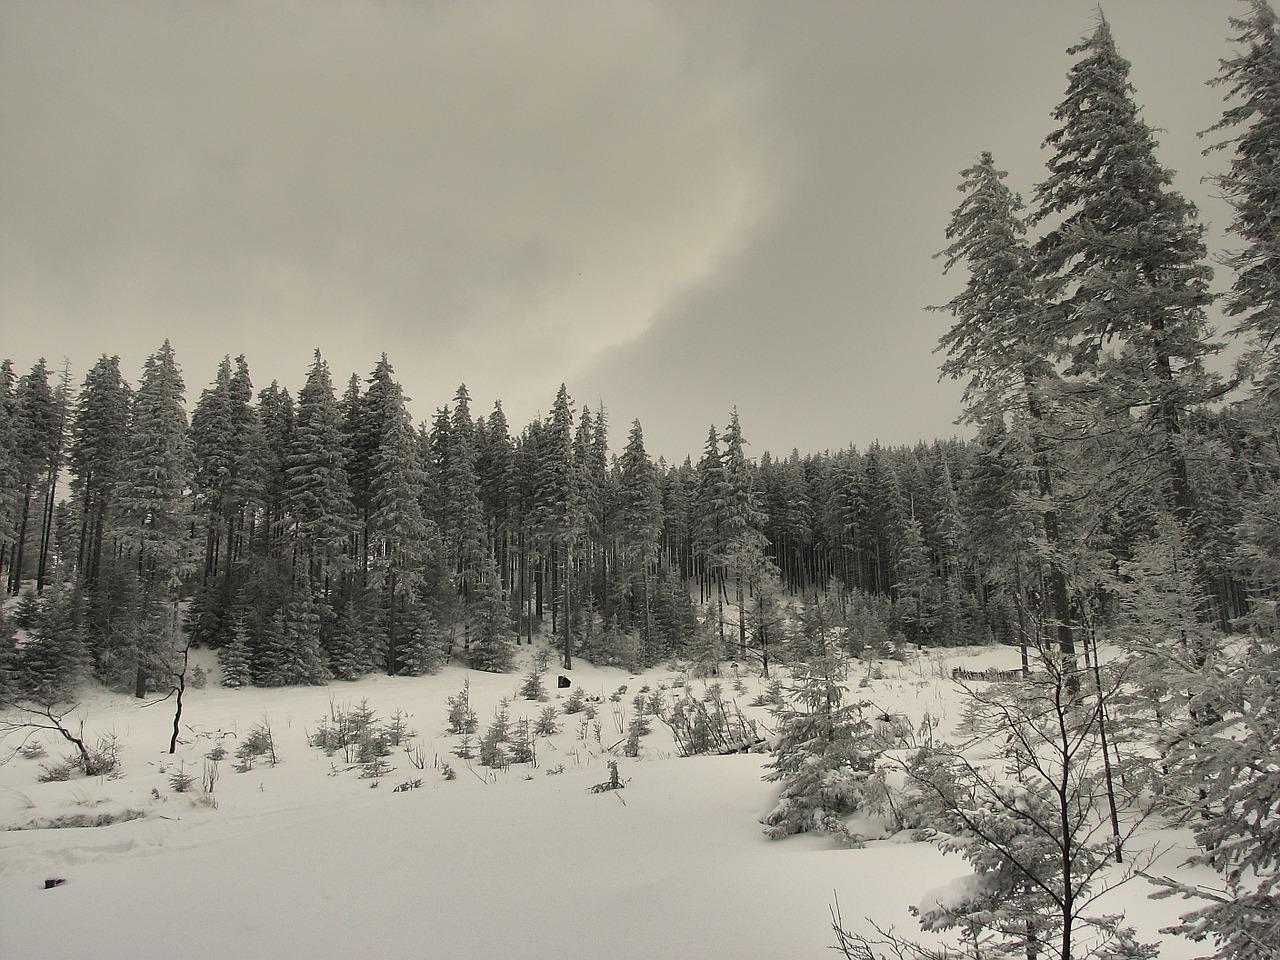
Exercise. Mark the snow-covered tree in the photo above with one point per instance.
(1231, 795)
(1252, 125)
(824, 754)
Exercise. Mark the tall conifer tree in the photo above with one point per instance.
(1125, 263)
(1003, 344)
(317, 492)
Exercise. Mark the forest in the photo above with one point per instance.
(1118, 504)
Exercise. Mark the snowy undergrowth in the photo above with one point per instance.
(319, 854)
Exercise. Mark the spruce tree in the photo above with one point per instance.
(1003, 343)
(99, 433)
(155, 510)
(403, 541)
(234, 658)
(824, 755)
(1232, 789)
(301, 651)
(464, 531)
(1125, 265)
(10, 475)
(212, 437)
(558, 512)
(640, 524)
(278, 423)
(1252, 125)
(317, 494)
(490, 633)
(38, 440)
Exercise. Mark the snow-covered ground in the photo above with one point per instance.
(308, 859)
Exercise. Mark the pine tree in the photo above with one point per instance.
(231, 476)
(302, 654)
(404, 544)
(278, 422)
(490, 634)
(155, 510)
(557, 511)
(352, 643)
(99, 434)
(212, 438)
(1002, 341)
(234, 657)
(708, 533)
(317, 494)
(824, 756)
(54, 660)
(739, 505)
(38, 425)
(10, 475)
(1228, 770)
(464, 532)
(1125, 263)
(493, 472)
(916, 586)
(640, 524)
(1252, 80)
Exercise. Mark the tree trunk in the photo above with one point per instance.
(15, 566)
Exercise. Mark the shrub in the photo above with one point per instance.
(54, 772)
(462, 719)
(180, 781)
(522, 744)
(546, 726)
(614, 782)
(577, 701)
(258, 742)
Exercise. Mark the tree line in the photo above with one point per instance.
(327, 535)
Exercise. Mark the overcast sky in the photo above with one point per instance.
(673, 207)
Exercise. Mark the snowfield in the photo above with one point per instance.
(308, 859)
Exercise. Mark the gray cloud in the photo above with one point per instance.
(674, 207)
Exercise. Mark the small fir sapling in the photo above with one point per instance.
(180, 781)
(492, 753)
(522, 744)
(464, 750)
(576, 701)
(770, 695)
(462, 718)
(546, 726)
(375, 767)
(533, 688)
(397, 729)
(615, 782)
(637, 728)
(258, 742)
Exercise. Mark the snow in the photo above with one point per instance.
(306, 859)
